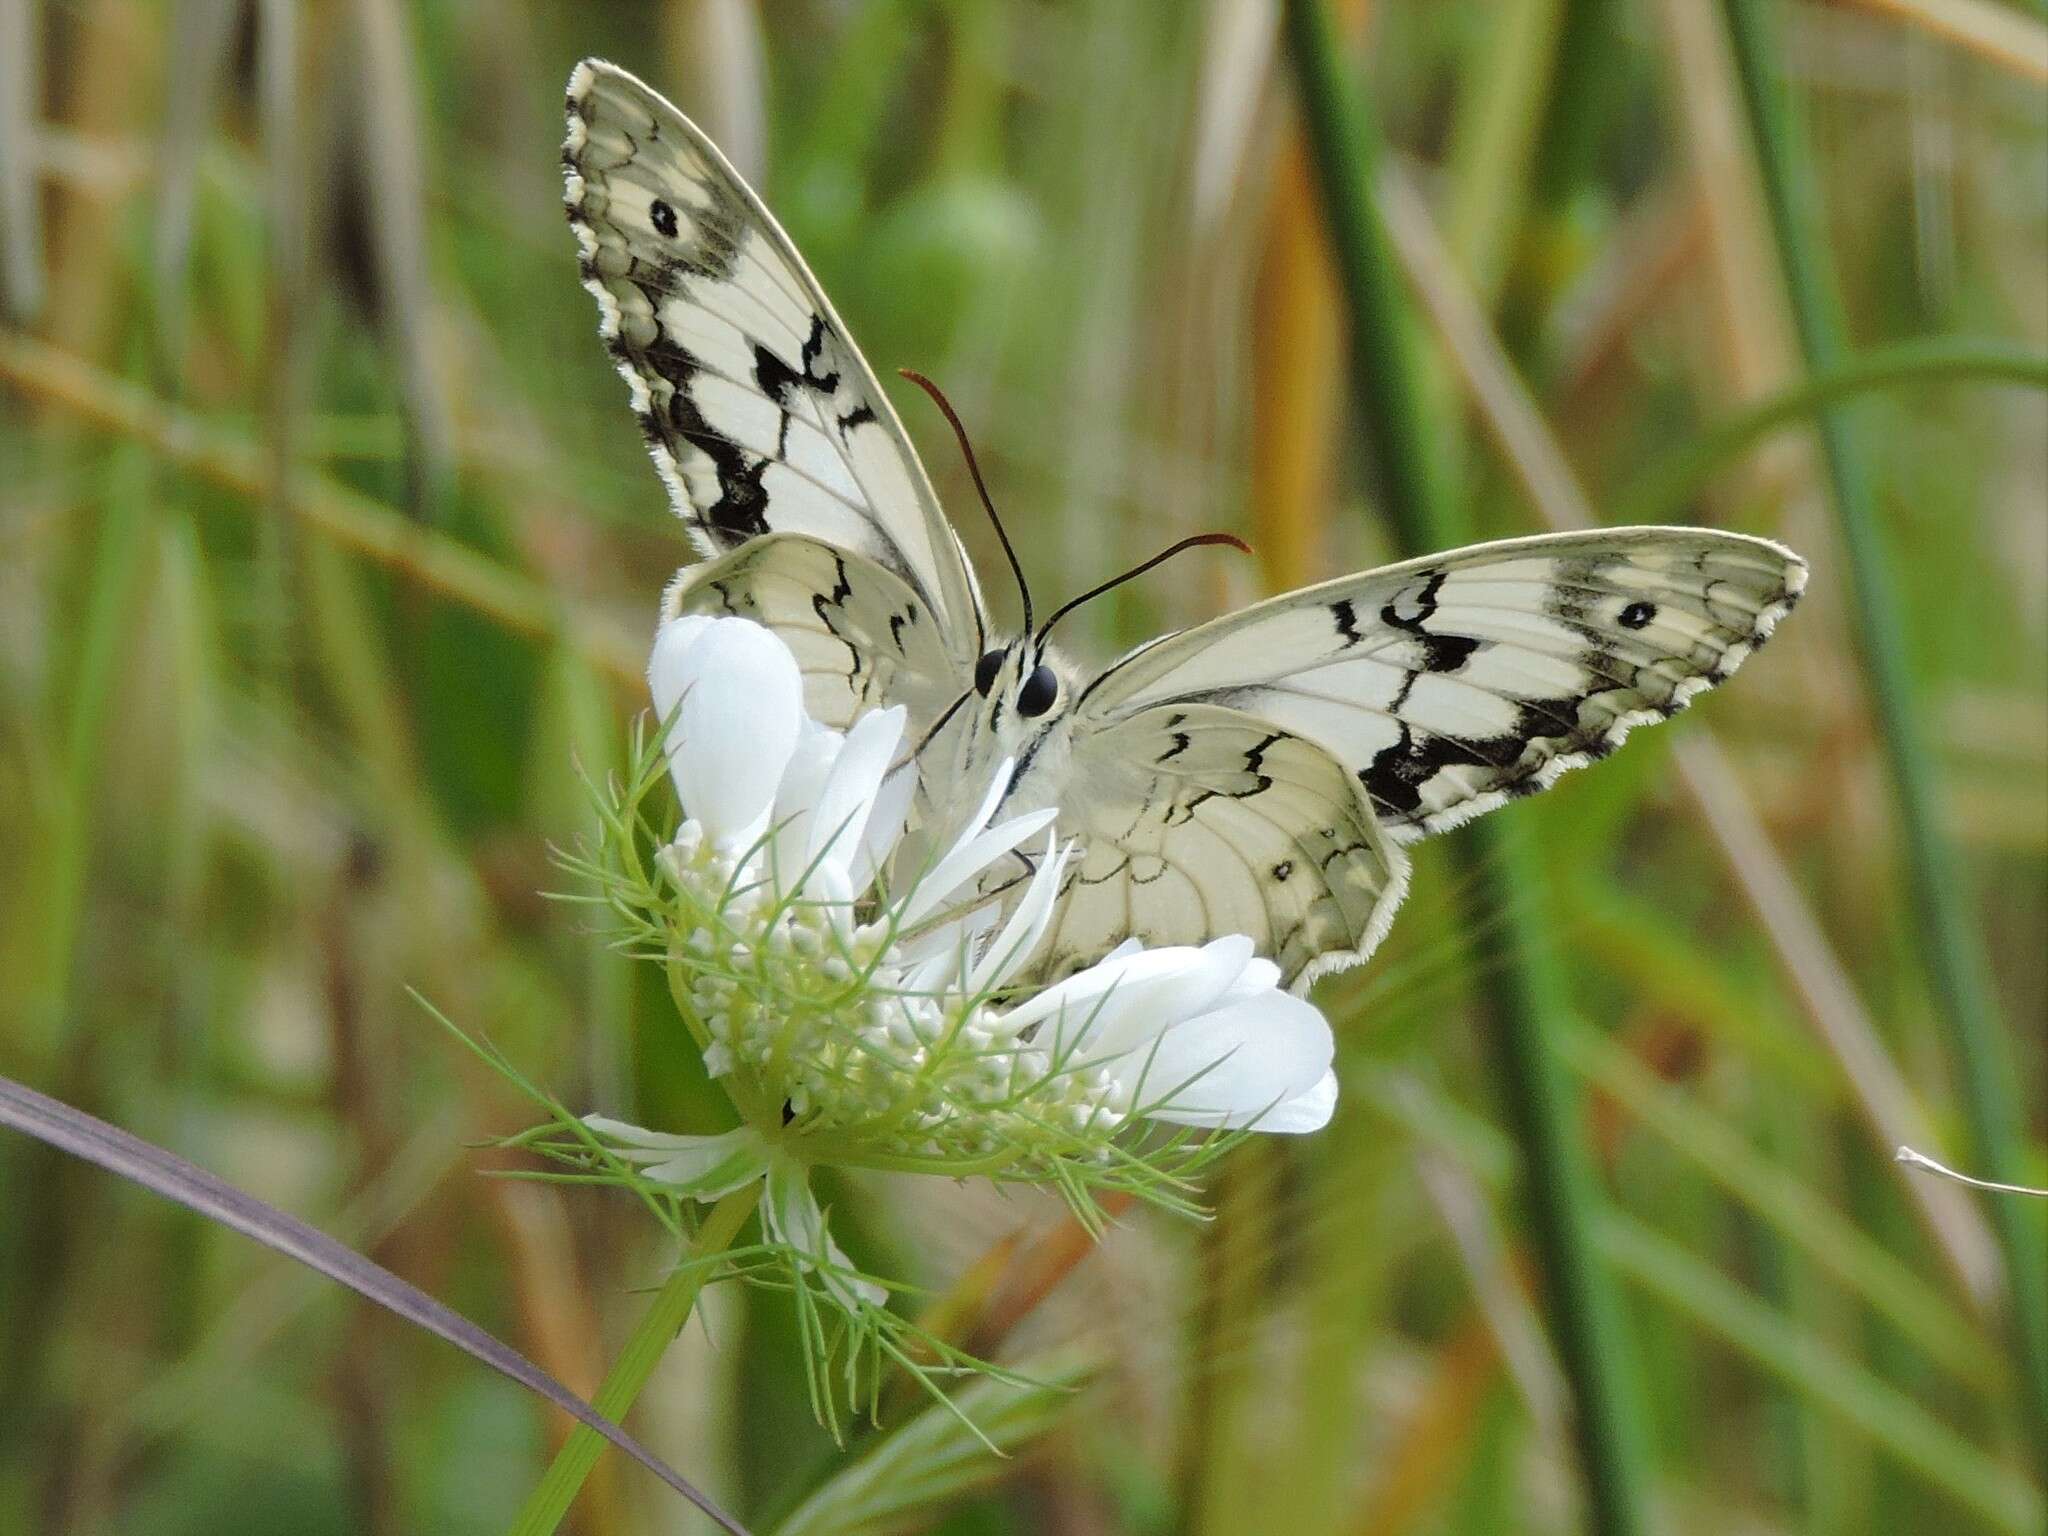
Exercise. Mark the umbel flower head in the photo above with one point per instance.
(849, 984)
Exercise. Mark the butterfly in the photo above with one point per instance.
(1260, 773)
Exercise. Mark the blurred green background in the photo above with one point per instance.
(328, 555)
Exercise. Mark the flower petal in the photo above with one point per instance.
(951, 865)
(1119, 1006)
(935, 959)
(1078, 992)
(736, 725)
(667, 674)
(1259, 975)
(847, 798)
(991, 798)
(969, 857)
(668, 678)
(1231, 1066)
(885, 825)
(1020, 935)
(817, 749)
(704, 1167)
(1309, 1111)
(637, 1136)
(790, 1214)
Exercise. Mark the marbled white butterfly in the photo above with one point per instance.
(1257, 774)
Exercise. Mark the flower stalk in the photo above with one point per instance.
(849, 975)
(557, 1490)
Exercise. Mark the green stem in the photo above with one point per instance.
(33, 1273)
(557, 1490)
(1386, 371)
(1587, 75)
(1954, 950)
(1663, 490)
(1493, 139)
(126, 533)
(1546, 1114)
(1231, 1394)
(1580, 1303)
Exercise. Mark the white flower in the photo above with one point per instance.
(760, 780)
(849, 978)
(791, 1215)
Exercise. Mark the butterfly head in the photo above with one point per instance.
(1017, 709)
(1022, 687)
(1027, 694)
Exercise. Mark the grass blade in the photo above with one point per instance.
(165, 1173)
(1913, 1436)
(53, 377)
(934, 1457)
(1984, 27)
(1662, 491)
(1960, 971)
(1580, 1310)
(1819, 978)
(657, 1329)
(1830, 1240)
(21, 230)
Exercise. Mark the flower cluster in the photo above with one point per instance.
(848, 977)
(853, 975)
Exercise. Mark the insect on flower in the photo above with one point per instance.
(942, 901)
(1262, 773)
(850, 985)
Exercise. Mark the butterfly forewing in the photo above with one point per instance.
(760, 413)
(1450, 684)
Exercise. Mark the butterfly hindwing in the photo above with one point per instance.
(861, 637)
(1451, 684)
(1196, 821)
(759, 411)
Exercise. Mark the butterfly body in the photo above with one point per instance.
(1257, 774)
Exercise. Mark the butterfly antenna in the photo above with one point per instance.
(974, 469)
(1194, 542)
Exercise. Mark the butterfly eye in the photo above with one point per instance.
(985, 671)
(1038, 693)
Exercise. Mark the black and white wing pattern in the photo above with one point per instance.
(1450, 684)
(761, 415)
(1196, 820)
(1253, 775)
(861, 637)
